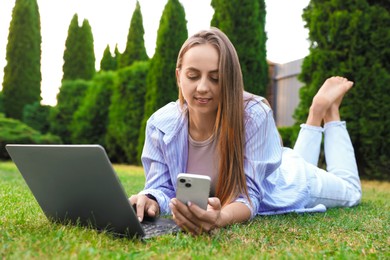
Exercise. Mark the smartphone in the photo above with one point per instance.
(194, 188)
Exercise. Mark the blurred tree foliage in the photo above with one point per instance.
(161, 85)
(243, 21)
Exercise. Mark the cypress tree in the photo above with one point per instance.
(87, 51)
(243, 21)
(161, 80)
(161, 85)
(351, 38)
(135, 46)
(79, 56)
(108, 62)
(22, 74)
(117, 56)
(72, 46)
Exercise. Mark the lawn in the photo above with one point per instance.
(359, 232)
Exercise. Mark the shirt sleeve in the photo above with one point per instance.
(158, 180)
(263, 152)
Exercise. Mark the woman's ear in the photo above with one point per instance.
(178, 75)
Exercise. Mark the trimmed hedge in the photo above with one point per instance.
(126, 113)
(37, 116)
(68, 101)
(90, 121)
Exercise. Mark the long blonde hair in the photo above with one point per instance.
(229, 125)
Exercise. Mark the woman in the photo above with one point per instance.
(217, 129)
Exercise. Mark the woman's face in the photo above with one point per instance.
(198, 79)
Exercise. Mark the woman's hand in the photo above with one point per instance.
(195, 220)
(144, 206)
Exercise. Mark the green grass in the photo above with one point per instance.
(352, 233)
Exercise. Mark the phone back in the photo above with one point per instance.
(194, 188)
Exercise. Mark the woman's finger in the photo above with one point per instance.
(209, 217)
(181, 219)
(183, 209)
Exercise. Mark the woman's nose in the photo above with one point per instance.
(203, 85)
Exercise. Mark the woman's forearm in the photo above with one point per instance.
(235, 212)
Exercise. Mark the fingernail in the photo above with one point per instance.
(189, 203)
(139, 219)
(173, 201)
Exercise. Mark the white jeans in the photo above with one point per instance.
(339, 186)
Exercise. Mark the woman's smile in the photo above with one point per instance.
(202, 100)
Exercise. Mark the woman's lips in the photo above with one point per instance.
(203, 100)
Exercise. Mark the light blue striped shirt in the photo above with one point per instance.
(165, 152)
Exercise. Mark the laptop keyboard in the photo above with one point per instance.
(156, 229)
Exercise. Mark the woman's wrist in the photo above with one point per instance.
(224, 219)
(153, 198)
(235, 212)
(150, 196)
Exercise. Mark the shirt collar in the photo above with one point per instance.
(171, 120)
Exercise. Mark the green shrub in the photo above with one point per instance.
(289, 135)
(68, 100)
(89, 124)
(1, 102)
(126, 113)
(37, 116)
(13, 131)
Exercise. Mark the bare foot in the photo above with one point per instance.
(332, 114)
(326, 102)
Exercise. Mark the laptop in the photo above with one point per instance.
(76, 184)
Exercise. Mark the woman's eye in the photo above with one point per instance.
(214, 79)
(192, 76)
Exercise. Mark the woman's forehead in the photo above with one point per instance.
(204, 55)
